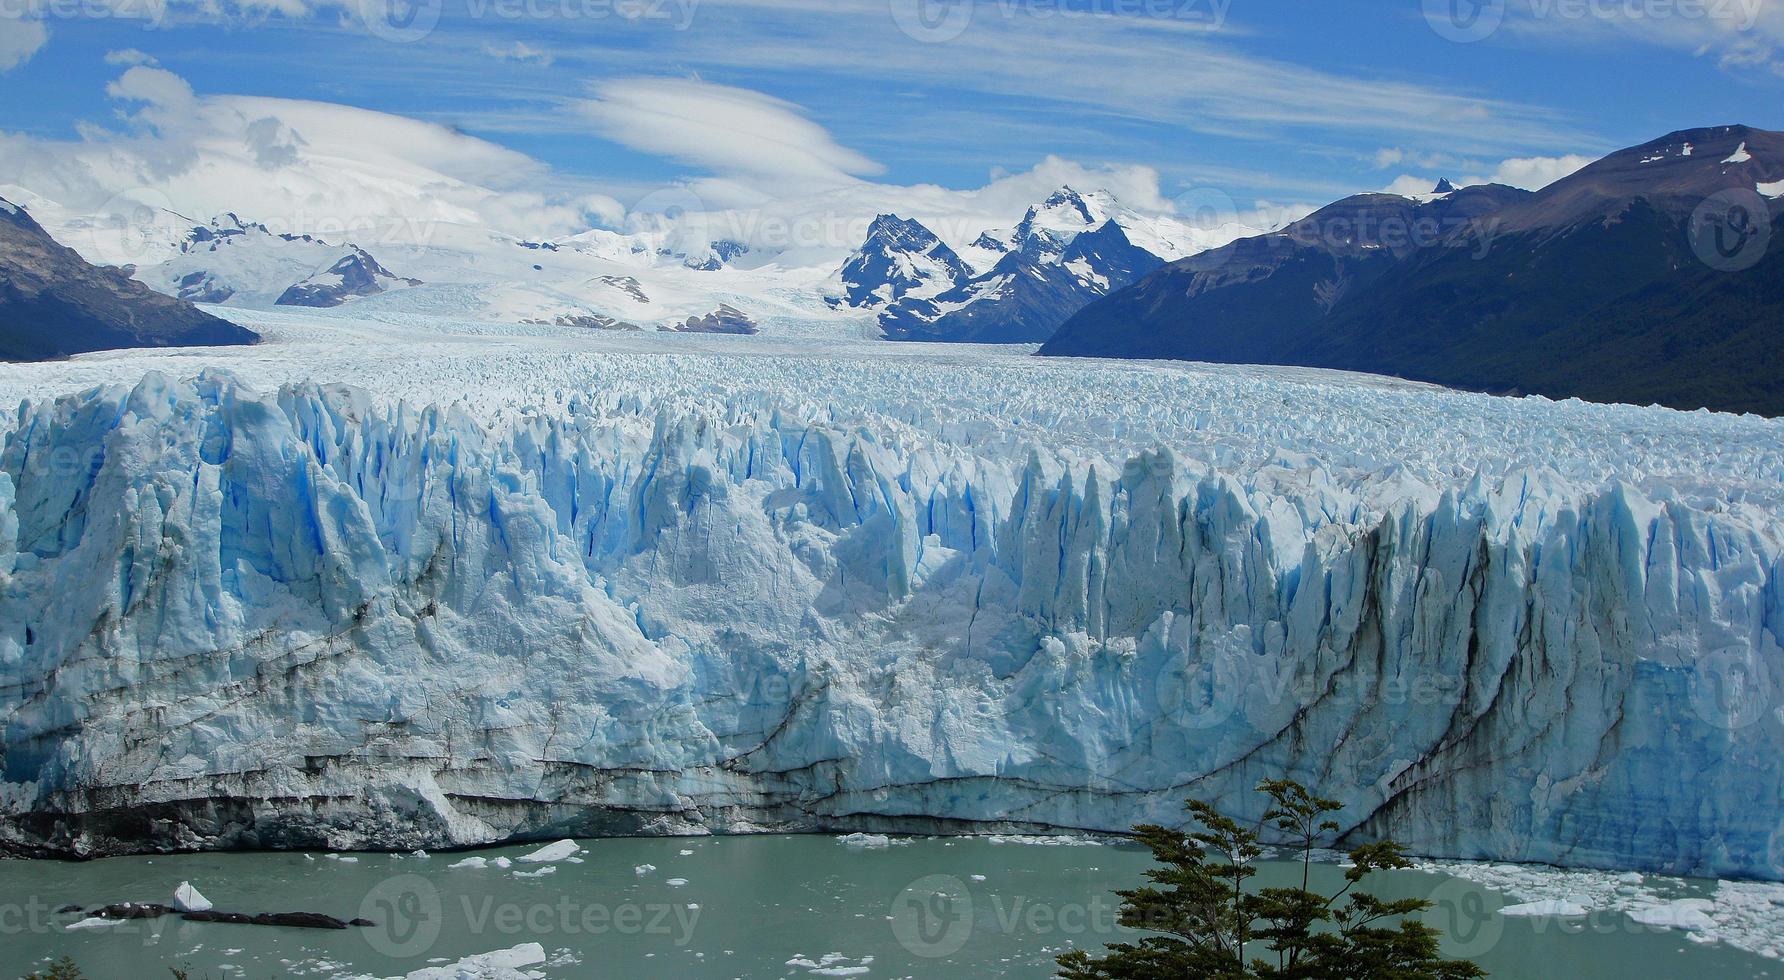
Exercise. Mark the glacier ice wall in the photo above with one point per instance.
(310, 619)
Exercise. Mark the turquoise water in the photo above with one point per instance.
(750, 907)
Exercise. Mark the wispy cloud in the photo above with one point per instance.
(724, 129)
(20, 38)
(1741, 35)
(519, 51)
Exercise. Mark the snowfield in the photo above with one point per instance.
(395, 581)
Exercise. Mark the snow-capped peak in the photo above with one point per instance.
(899, 257)
(1063, 214)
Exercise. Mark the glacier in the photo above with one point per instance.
(713, 587)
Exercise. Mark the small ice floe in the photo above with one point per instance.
(1685, 914)
(189, 899)
(864, 840)
(95, 923)
(676, 882)
(687, 853)
(552, 852)
(503, 964)
(831, 965)
(343, 858)
(468, 863)
(1058, 840)
(542, 872)
(644, 869)
(502, 863)
(978, 877)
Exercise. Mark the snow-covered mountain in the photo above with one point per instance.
(903, 281)
(1067, 251)
(356, 274)
(54, 303)
(1651, 275)
(234, 261)
(1033, 288)
(899, 259)
(746, 588)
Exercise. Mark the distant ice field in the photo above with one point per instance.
(1388, 439)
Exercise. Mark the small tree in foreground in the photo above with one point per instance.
(1207, 924)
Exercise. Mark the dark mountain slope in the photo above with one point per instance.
(1608, 285)
(54, 303)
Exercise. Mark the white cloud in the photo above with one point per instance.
(727, 131)
(1533, 173)
(1407, 185)
(1530, 173)
(20, 38)
(1132, 68)
(519, 51)
(344, 173)
(306, 167)
(130, 56)
(1742, 35)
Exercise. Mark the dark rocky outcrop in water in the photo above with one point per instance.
(287, 920)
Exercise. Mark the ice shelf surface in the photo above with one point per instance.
(413, 583)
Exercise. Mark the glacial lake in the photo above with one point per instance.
(758, 907)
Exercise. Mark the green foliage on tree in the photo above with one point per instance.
(62, 969)
(1205, 923)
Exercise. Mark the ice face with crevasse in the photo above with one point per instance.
(536, 586)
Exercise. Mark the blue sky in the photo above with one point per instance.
(1266, 100)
